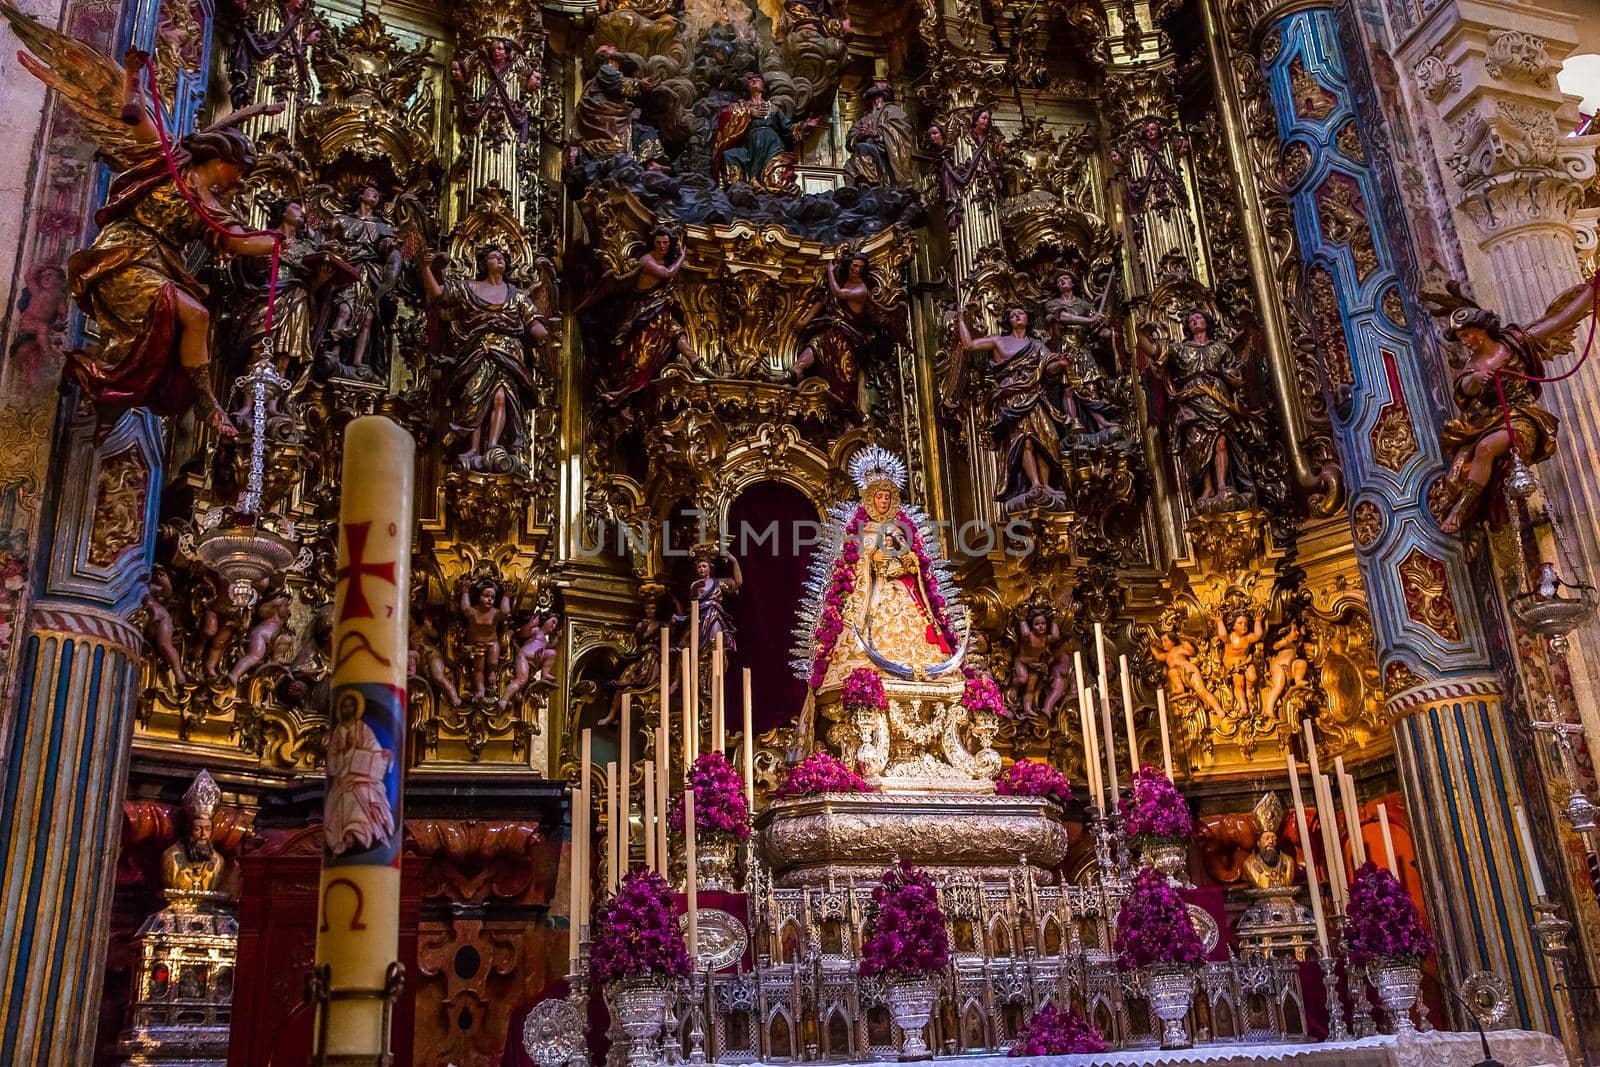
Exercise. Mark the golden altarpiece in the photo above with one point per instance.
(1117, 297)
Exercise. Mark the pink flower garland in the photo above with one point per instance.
(982, 693)
(1030, 778)
(821, 773)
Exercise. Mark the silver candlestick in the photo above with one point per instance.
(1337, 1031)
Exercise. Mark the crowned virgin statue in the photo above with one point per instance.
(879, 594)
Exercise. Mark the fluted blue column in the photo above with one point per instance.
(1387, 392)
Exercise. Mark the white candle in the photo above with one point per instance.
(1352, 813)
(1088, 751)
(719, 738)
(1100, 666)
(1166, 740)
(587, 811)
(1091, 744)
(690, 878)
(624, 785)
(1388, 842)
(663, 786)
(1311, 863)
(580, 822)
(572, 887)
(1328, 818)
(694, 658)
(1114, 791)
(663, 757)
(688, 716)
(749, 749)
(613, 854)
(1127, 717)
(1529, 853)
(649, 820)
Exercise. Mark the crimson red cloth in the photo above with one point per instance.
(1212, 899)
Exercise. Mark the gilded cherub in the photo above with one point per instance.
(534, 661)
(158, 625)
(1239, 641)
(485, 604)
(424, 660)
(272, 615)
(1287, 667)
(1174, 652)
(1038, 633)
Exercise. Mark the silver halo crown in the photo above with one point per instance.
(874, 464)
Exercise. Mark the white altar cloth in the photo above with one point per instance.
(1514, 1048)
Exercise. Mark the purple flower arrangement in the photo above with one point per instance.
(863, 691)
(1053, 1032)
(905, 933)
(1030, 778)
(821, 773)
(1156, 812)
(1154, 926)
(636, 933)
(719, 804)
(981, 693)
(1382, 920)
(842, 583)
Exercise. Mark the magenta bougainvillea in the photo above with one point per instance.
(821, 773)
(1030, 778)
(1383, 920)
(905, 933)
(1154, 926)
(981, 693)
(1155, 812)
(636, 933)
(719, 804)
(863, 691)
(1053, 1032)
(842, 583)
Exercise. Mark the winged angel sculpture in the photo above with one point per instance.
(154, 328)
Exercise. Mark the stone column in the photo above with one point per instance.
(1457, 766)
(67, 760)
(1498, 120)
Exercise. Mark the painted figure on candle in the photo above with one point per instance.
(359, 812)
(1499, 361)
(879, 596)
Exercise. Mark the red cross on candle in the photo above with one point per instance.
(356, 605)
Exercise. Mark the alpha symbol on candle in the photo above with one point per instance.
(356, 605)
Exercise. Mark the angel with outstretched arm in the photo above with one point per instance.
(153, 323)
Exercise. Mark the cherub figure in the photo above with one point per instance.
(425, 660)
(1495, 393)
(1174, 651)
(272, 615)
(1037, 636)
(219, 625)
(158, 627)
(1238, 642)
(484, 605)
(1287, 667)
(535, 658)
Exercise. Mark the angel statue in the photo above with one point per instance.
(846, 326)
(1215, 434)
(1501, 359)
(496, 331)
(1025, 424)
(356, 344)
(308, 276)
(650, 327)
(153, 323)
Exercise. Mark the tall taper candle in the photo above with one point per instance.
(586, 760)
(749, 748)
(1127, 718)
(1528, 851)
(719, 699)
(612, 834)
(359, 933)
(1166, 739)
(663, 788)
(648, 806)
(688, 715)
(1114, 793)
(663, 755)
(572, 887)
(580, 816)
(625, 787)
(1311, 864)
(691, 877)
(1088, 751)
(1388, 843)
(1352, 814)
(1091, 737)
(1100, 666)
(1328, 817)
(693, 696)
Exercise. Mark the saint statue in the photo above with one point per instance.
(1212, 430)
(308, 274)
(192, 864)
(880, 142)
(755, 141)
(494, 84)
(497, 332)
(1501, 361)
(1267, 867)
(650, 328)
(134, 281)
(1075, 328)
(370, 244)
(714, 594)
(606, 120)
(1024, 421)
(844, 327)
(879, 596)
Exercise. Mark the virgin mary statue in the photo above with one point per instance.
(879, 594)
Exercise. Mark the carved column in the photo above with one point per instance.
(497, 81)
(1456, 762)
(67, 759)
